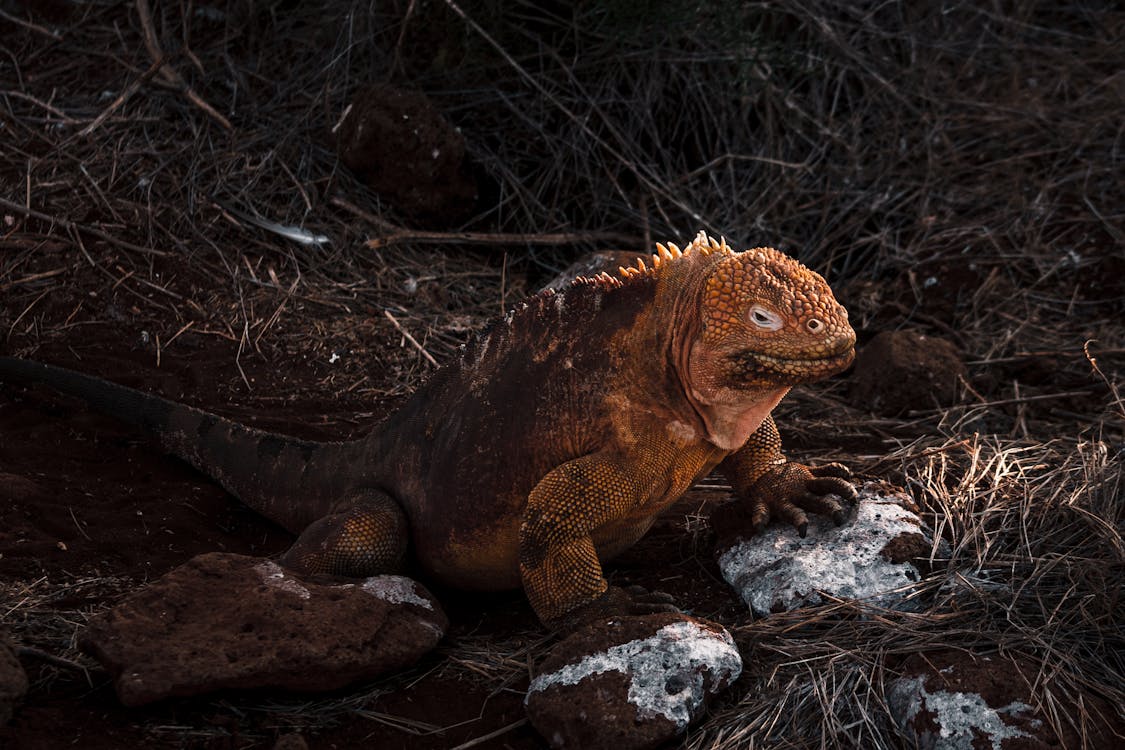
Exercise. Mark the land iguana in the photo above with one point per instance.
(555, 439)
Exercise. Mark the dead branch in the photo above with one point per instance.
(414, 342)
(73, 226)
(170, 74)
(396, 234)
(123, 97)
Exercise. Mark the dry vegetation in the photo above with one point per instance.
(953, 168)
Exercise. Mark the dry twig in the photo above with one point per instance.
(170, 74)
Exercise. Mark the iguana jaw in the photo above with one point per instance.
(734, 392)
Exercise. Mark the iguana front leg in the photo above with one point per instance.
(559, 565)
(777, 488)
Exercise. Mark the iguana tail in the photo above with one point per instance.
(290, 481)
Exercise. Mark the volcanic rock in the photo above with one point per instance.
(881, 548)
(13, 680)
(630, 682)
(899, 371)
(952, 700)
(398, 142)
(231, 621)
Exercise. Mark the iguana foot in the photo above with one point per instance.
(367, 537)
(616, 601)
(788, 490)
(645, 602)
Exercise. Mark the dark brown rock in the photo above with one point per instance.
(952, 700)
(15, 487)
(404, 149)
(900, 371)
(230, 621)
(291, 742)
(630, 682)
(13, 680)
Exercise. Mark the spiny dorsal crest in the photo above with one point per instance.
(602, 279)
(703, 244)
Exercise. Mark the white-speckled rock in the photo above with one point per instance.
(872, 557)
(952, 700)
(960, 717)
(630, 682)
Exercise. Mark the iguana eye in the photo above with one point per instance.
(764, 318)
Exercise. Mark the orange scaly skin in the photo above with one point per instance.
(555, 440)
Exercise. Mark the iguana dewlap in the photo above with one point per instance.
(556, 438)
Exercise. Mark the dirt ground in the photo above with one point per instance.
(956, 175)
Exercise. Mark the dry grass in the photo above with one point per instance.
(1034, 572)
(955, 168)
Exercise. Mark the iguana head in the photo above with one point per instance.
(768, 321)
(765, 323)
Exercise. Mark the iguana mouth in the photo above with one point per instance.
(796, 369)
(845, 355)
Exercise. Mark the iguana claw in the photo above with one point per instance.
(789, 490)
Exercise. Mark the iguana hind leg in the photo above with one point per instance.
(367, 536)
